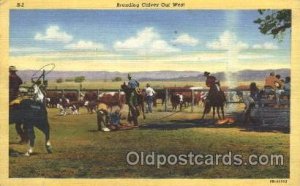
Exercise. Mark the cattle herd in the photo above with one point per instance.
(69, 102)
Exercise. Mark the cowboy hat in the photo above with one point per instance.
(206, 73)
(12, 68)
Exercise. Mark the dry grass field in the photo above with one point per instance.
(80, 151)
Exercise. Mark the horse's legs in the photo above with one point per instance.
(43, 125)
(31, 136)
(213, 112)
(222, 109)
(218, 111)
(203, 113)
(143, 109)
(22, 132)
(47, 136)
(132, 115)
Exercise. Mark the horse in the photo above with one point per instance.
(32, 113)
(134, 111)
(215, 99)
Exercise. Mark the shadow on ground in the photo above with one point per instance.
(212, 123)
(15, 153)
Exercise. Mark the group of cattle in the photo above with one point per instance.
(71, 101)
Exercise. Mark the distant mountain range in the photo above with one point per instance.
(245, 75)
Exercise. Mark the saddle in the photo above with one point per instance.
(18, 100)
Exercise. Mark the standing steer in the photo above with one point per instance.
(112, 99)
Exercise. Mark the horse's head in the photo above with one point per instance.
(124, 86)
(37, 93)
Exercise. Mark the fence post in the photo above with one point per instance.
(166, 99)
(98, 92)
(193, 100)
(78, 93)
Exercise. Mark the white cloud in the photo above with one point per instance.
(254, 56)
(266, 45)
(27, 49)
(227, 41)
(85, 45)
(212, 57)
(53, 33)
(186, 39)
(146, 41)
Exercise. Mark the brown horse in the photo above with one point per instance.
(216, 99)
(134, 110)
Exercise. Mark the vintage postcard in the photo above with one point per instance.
(149, 93)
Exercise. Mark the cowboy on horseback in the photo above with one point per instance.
(30, 111)
(216, 97)
(212, 83)
(14, 83)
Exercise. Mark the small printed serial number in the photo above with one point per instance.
(278, 181)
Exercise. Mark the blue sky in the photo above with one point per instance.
(175, 38)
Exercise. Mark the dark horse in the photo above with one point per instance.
(134, 110)
(215, 99)
(31, 114)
